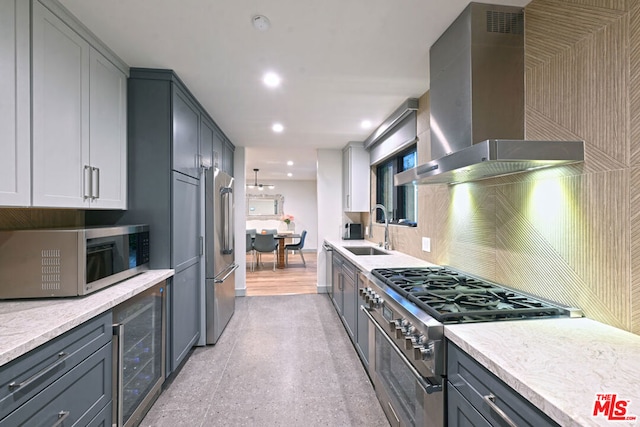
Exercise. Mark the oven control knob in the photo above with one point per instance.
(422, 353)
(399, 333)
(409, 342)
(410, 330)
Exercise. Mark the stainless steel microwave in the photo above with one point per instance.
(65, 262)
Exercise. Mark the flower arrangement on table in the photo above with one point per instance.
(287, 219)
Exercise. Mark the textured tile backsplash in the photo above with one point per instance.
(570, 234)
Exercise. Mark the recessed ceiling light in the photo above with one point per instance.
(289, 174)
(277, 127)
(289, 163)
(271, 79)
(365, 124)
(261, 22)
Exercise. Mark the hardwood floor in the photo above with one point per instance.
(292, 280)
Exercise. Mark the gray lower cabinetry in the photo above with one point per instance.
(185, 312)
(336, 283)
(350, 298)
(460, 412)
(346, 280)
(362, 330)
(472, 387)
(69, 376)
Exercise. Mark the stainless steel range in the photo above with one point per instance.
(408, 308)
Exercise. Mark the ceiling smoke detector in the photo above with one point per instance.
(261, 22)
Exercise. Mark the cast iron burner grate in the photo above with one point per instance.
(451, 297)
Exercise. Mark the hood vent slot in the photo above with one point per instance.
(505, 22)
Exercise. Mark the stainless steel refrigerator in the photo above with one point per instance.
(220, 265)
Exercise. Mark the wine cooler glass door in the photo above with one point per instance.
(139, 328)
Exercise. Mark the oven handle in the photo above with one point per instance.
(428, 387)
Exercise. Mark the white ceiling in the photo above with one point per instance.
(341, 61)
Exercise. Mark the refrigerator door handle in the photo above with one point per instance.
(234, 267)
(226, 195)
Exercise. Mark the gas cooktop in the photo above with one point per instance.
(452, 297)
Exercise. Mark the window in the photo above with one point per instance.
(400, 201)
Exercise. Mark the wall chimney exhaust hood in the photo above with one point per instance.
(477, 103)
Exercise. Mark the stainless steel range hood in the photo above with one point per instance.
(477, 103)
(492, 158)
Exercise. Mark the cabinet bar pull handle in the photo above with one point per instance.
(87, 182)
(61, 358)
(62, 415)
(95, 183)
(491, 401)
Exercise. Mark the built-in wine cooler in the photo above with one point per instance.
(138, 355)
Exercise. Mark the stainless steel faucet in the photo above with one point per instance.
(386, 224)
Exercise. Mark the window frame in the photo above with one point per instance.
(398, 194)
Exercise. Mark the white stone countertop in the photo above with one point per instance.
(26, 324)
(366, 263)
(559, 365)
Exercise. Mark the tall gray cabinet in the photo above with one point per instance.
(170, 137)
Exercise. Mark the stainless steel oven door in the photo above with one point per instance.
(407, 398)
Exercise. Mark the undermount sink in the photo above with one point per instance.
(365, 250)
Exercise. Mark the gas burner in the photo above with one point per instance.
(412, 280)
(452, 297)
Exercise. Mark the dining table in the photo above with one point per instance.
(281, 244)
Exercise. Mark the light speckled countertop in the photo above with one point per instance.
(559, 365)
(366, 263)
(26, 324)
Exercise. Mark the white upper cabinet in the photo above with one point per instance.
(355, 176)
(108, 132)
(15, 136)
(79, 120)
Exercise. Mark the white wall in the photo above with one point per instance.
(240, 217)
(300, 200)
(329, 190)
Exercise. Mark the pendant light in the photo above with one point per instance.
(260, 187)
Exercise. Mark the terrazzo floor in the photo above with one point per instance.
(282, 361)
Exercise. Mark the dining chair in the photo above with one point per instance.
(296, 247)
(250, 247)
(264, 243)
(252, 231)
